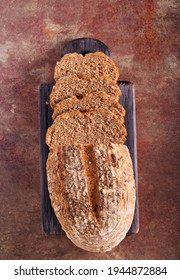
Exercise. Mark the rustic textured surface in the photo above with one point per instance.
(142, 36)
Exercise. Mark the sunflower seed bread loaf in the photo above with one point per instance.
(91, 63)
(82, 85)
(92, 191)
(89, 170)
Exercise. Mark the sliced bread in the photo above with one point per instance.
(96, 63)
(89, 102)
(80, 86)
(91, 127)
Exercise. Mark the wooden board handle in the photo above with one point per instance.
(85, 45)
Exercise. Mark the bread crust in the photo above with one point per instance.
(75, 63)
(95, 213)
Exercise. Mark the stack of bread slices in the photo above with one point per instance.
(89, 170)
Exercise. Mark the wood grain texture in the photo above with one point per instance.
(128, 101)
(85, 45)
(50, 224)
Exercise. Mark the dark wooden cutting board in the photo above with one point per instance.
(50, 224)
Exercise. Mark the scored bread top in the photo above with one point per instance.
(90, 102)
(92, 191)
(82, 85)
(91, 127)
(96, 63)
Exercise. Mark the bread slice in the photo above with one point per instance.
(90, 102)
(92, 191)
(96, 63)
(80, 86)
(91, 127)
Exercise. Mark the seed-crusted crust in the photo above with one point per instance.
(91, 127)
(90, 102)
(75, 63)
(92, 191)
(82, 85)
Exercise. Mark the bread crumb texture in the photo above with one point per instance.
(91, 127)
(82, 85)
(90, 102)
(91, 63)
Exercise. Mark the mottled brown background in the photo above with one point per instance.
(143, 38)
